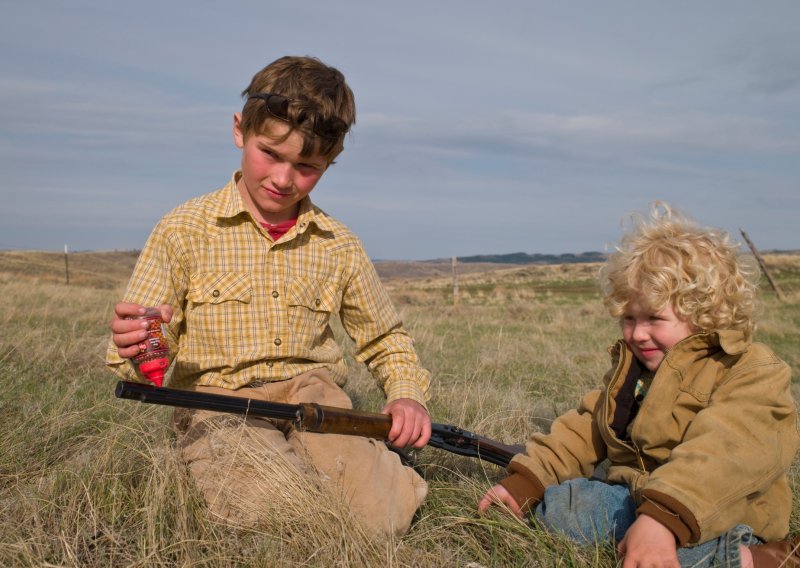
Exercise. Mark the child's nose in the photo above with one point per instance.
(639, 332)
(282, 175)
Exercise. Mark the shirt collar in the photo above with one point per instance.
(231, 205)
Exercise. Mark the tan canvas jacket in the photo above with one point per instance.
(709, 447)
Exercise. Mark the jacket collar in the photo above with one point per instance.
(731, 341)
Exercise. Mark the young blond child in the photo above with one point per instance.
(695, 422)
(247, 279)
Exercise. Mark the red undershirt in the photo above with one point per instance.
(277, 230)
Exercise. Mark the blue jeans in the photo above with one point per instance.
(589, 511)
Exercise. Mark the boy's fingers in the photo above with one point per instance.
(166, 312)
(130, 338)
(130, 352)
(397, 426)
(425, 433)
(128, 309)
(410, 423)
(490, 498)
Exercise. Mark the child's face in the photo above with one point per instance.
(651, 334)
(274, 175)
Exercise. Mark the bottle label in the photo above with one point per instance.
(156, 335)
(153, 360)
(156, 342)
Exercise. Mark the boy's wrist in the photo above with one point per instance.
(397, 390)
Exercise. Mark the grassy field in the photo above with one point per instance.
(88, 480)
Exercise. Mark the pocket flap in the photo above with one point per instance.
(217, 287)
(312, 294)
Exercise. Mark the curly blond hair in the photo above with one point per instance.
(667, 259)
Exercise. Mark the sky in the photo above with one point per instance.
(482, 128)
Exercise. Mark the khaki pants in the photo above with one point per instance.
(223, 453)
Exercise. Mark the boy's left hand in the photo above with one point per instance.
(411, 424)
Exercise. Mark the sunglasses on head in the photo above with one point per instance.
(278, 107)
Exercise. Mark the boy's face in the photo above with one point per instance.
(651, 334)
(274, 175)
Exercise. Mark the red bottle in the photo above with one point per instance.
(154, 360)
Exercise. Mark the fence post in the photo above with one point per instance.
(66, 263)
(454, 263)
(763, 266)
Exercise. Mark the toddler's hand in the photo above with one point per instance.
(648, 543)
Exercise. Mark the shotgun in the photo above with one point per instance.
(314, 417)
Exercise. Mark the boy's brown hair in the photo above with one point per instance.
(313, 98)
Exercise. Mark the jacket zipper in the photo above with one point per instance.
(632, 446)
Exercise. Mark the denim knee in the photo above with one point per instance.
(587, 511)
(721, 551)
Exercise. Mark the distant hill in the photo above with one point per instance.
(525, 258)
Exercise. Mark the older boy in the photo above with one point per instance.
(696, 422)
(247, 279)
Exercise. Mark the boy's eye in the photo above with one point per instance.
(309, 168)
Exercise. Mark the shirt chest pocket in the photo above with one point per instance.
(311, 304)
(220, 287)
(219, 307)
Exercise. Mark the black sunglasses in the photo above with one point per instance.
(278, 106)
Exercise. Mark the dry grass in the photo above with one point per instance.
(88, 480)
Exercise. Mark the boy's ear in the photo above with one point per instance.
(238, 135)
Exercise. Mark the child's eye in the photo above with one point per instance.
(308, 168)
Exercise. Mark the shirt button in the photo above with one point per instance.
(275, 294)
(277, 341)
(215, 293)
(317, 302)
(269, 364)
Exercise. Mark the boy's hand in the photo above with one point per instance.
(648, 543)
(128, 333)
(411, 424)
(499, 494)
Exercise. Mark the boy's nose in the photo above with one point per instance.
(639, 333)
(281, 175)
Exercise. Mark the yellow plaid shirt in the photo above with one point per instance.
(248, 309)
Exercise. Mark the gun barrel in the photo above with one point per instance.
(206, 401)
(307, 416)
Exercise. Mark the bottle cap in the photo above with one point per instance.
(154, 370)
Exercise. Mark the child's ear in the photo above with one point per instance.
(238, 135)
